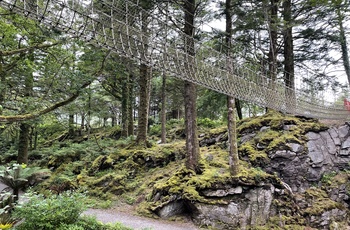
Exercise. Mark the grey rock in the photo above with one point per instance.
(288, 127)
(246, 138)
(284, 154)
(329, 142)
(346, 143)
(239, 213)
(264, 128)
(344, 152)
(333, 132)
(223, 192)
(316, 157)
(297, 148)
(312, 136)
(173, 208)
(343, 131)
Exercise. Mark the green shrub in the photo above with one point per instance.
(70, 227)
(155, 130)
(208, 123)
(41, 213)
(90, 223)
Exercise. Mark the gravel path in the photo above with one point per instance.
(137, 222)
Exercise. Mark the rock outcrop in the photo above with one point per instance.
(310, 162)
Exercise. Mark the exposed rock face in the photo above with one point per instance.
(325, 152)
(253, 207)
(300, 166)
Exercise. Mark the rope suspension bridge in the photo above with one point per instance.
(143, 36)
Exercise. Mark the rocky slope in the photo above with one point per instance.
(300, 179)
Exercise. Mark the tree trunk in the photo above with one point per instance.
(35, 144)
(289, 55)
(144, 104)
(239, 108)
(24, 132)
(144, 82)
(163, 112)
(71, 125)
(231, 116)
(125, 97)
(272, 56)
(192, 145)
(2, 85)
(23, 143)
(343, 45)
(130, 106)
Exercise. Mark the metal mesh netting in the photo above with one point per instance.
(147, 36)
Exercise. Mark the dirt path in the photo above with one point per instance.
(137, 222)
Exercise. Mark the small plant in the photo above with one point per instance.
(17, 176)
(50, 212)
(328, 177)
(6, 206)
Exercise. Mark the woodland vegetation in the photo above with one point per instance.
(63, 100)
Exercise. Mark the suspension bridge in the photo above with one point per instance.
(144, 36)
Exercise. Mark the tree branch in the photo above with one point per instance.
(26, 49)
(29, 116)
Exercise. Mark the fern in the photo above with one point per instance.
(17, 176)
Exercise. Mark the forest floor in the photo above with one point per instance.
(126, 216)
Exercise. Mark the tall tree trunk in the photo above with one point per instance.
(231, 116)
(343, 44)
(24, 132)
(2, 85)
(35, 142)
(238, 105)
(272, 56)
(289, 55)
(163, 112)
(192, 145)
(125, 97)
(23, 143)
(144, 104)
(130, 105)
(71, 125)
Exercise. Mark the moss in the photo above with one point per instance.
(319, 202)
(255, 156)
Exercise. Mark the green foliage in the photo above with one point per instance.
(17, 176)
(41, 213)
(328, 177)
(208, 123)
(91, 223)
(7, 203)
(155, 130)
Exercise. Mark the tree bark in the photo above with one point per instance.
(71, 125)
(231, 116)
(2, 85)
(343, 45)
(124, 100)
(272, 56)
(130, 106)
(192, 144)
(144, 105)
(163, 112)
(23, 143)
(144, 82)
(289, 55)
(238, 109)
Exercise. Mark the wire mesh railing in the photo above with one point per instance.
(131, 31)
